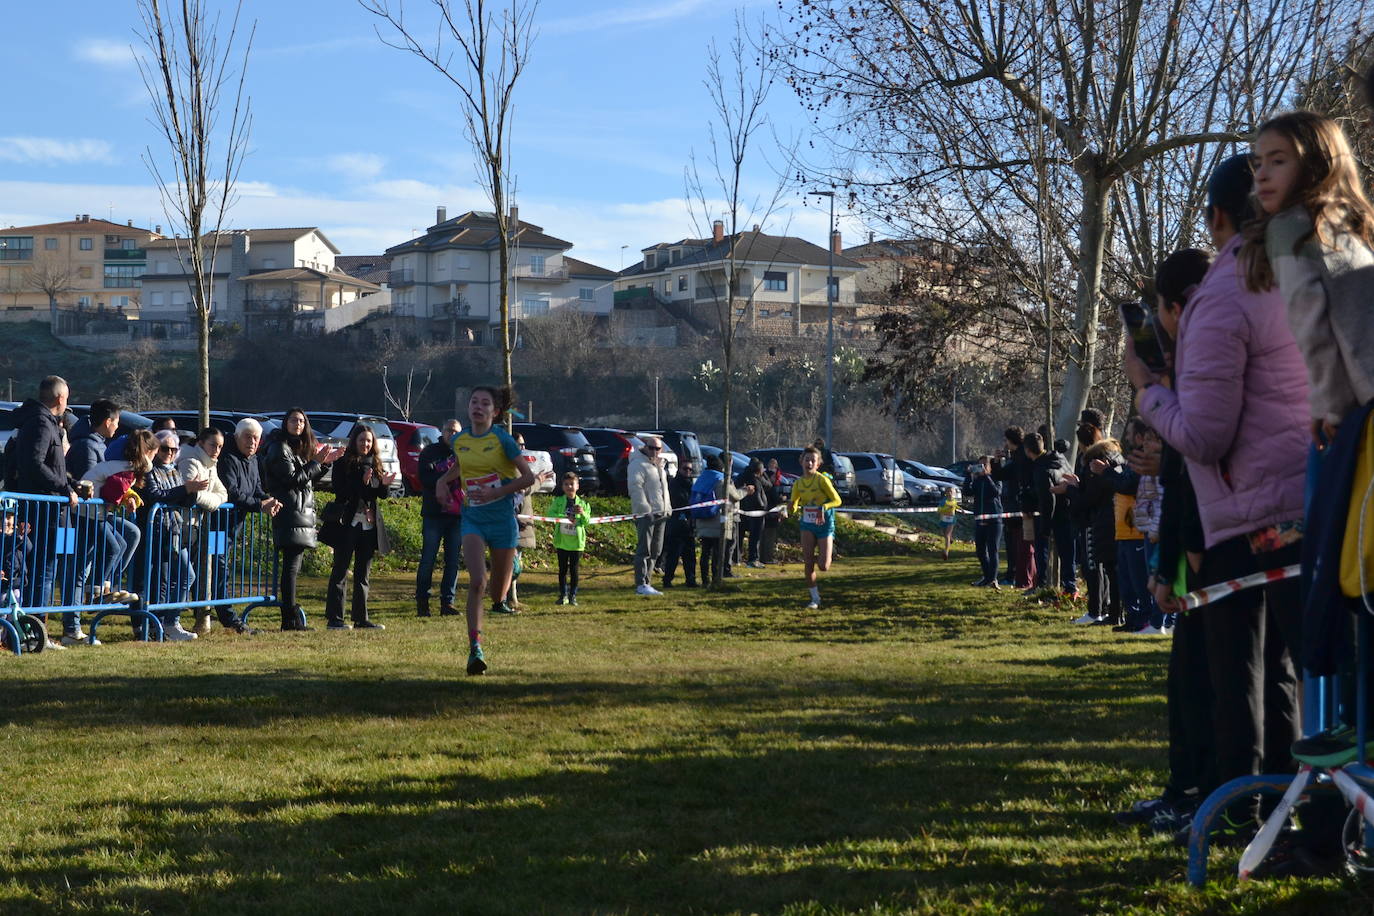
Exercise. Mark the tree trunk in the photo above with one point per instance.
(203, 359)
(1078, 375)
(727, 352)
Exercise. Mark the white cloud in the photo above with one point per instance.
(625, 15)
(356, 166)
(104, 52)
(52, 151)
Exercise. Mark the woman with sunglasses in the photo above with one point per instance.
(172, 572)
(295, 463)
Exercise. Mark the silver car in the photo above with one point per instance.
(877, 478)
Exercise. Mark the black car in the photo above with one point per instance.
(613, 447)
(569, 449)
(684, 444)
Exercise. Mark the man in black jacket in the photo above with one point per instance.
(238, 471)
(1008, 469)
(439, 526)
(40, 468)
(680, 543)
(987, 532)
(1047, 473)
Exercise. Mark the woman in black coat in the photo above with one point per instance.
(762, 499)
(294, 464)
(358, 535)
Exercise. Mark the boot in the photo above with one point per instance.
(422, 606)
(448, 610)
(203, 624)
(293, 619)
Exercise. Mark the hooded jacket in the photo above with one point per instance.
(1093, 501)
(1239, 411)
(40, 463)
(1047, 470)
(241, 478)
(647, 481)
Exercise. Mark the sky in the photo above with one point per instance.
(365, 141)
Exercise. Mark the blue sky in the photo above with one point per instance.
(365, 141)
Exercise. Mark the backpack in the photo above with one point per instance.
(704, 490)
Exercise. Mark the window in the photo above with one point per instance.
(440, 266)
(122, 276)
(775, 280)
(160, 266)
(537, 265)
(763, 313)
(676, 253)
(50, 244)
(667, 286)
(16, 249)
(156, 298)
(462, 262)
(532, 308)
(178, 297)
(119, 302)
(86, 244)
(128, 244)
(83, 302)
(739, 311)
(650, 260)
(586, 294)
(83, 273)
(682, 283)
(269, 263)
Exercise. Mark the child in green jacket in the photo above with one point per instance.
(570, 537)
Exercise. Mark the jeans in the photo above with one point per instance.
(1066, 545)
(986, 536)
(176, 576)
(752, 526)
(357, 549)
(121, 543)
(436, 530)
(649, 547)
(1134, 577)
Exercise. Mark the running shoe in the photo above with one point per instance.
(1332, 748)
(813, 606)
(477, 662)
(501, 607)
(1085, 620)
(1147, 630)
(1143, 811)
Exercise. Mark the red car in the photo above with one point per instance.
(410, 438)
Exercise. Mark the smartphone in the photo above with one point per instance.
(1139, 322)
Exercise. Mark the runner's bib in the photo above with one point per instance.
(567, 529)
(812, 515)
(474, 485)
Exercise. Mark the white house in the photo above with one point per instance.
(450, 276)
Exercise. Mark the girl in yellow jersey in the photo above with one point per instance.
(816, 496)
(489, 466)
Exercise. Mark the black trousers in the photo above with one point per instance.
(986, 541)
(1254, 686)
(1192, 754)
(291, 558)
(680, 545)
(568, 563)
(710, 558)
(768, 551)
(357, 549)
(753, 527)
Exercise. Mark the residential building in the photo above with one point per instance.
(448, 280)
(780, 283)
(892, 265)
(83, 264)
(264, 281)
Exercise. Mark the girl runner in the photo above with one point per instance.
(948, 509)
(816, 496)
(490, 468)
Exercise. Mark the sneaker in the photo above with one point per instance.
(814, 606)
(78, 639)
(477, 662)
(1085, 620)
(980, 583)
(54, 645)
(1142, 812)
(175, 633)
(1173, 817)
(369, 625)
(203, 626)
(449, 610)
(1147, 630)
(572, 599)
(1332, 748)
(337, 625)
(242, 628)
(647, 590)
(501, 607)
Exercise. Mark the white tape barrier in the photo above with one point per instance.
(604, 519)
(1213, 593)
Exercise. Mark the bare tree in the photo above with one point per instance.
(138, 373)
(952, 106)
(405, 404)
(201, 112)
(565, 341)
(53, 279)
(482, 52)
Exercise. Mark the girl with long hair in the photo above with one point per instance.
(295, 463)
(491, 471)
(1314, 239)
(815, 495)
(359, 483)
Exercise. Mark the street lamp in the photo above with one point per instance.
(830, 321)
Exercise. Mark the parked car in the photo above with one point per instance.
(878, 478)
(541, 462)
(739, 461)
(410, 439)
(844, 476)
(922, 492)
(942, 476)
(334, 428)
(74, 421)
(682, 443)
(569, 449)
(188, 422)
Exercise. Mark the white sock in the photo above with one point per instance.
(815, 594)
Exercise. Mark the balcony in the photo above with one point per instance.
(125, 254)
(548, 274)
(274, 306)
(402, 277)
(453, 308)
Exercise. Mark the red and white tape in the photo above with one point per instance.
(1213, 593)
(606, 519)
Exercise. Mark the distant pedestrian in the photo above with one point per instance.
(360, 483)
(569, 536)
(441, 525)
(649, 502)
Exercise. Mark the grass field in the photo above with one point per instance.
(916, 746)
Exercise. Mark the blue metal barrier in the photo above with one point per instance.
(60, 558)
(93, 557)
(197, 558)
